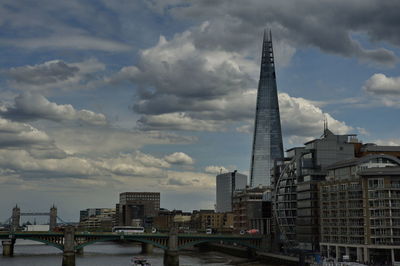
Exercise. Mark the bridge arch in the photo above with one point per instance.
(44, 241)
(200, 241)
(119, 238)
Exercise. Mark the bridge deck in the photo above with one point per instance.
(5, 235)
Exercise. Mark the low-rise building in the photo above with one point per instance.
(252, 209)
(209, 219)
(97, 219)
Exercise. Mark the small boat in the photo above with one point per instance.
(138, 261)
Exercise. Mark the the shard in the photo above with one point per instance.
(267, 140)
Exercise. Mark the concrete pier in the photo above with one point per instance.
(171, 255)
(8, 248)
(69, 247)
(251, 253)
(171, 258)
(147, 248)
(79, 251)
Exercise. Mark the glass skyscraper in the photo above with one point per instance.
(267, 140)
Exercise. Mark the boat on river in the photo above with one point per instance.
(138, 261)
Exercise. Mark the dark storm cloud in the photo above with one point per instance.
(63, 24)
(327, 25)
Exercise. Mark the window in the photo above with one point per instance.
(375, 183)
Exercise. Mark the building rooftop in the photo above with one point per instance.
(360, 160)
(380, 171)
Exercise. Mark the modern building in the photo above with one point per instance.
(360, 210)
(137, 207)
(296, 186)
(227, 183)
(252, 209)
(267, 139)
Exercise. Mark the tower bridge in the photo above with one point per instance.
(15, 219)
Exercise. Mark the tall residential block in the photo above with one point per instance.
(227, 183)
(267, 140)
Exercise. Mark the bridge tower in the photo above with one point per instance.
(53, 218)
(15, 218)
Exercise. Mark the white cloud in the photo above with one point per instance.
(383, 90)
(213, 169)
(187, 181)
(380, 84)
(13, 134)
(110, 140)
(387, 142)
(302, 118)
(177, 121)
(30, 106)
(179, 158)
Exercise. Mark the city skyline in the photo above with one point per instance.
(102, 98)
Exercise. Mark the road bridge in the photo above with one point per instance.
(71, 242)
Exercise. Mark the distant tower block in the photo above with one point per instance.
(15, 218)
(267, 140)
(53, 218)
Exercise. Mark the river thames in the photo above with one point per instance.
(109, 254)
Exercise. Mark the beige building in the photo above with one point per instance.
(360, 210)
(97, 219)
(204, 219)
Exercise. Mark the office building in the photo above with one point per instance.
(227, 183)
(267, 139)
(137, 208)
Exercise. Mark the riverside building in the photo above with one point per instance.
(360, 210)
(296, 193)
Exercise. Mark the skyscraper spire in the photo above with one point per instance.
(267, 140)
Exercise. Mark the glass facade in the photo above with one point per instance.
(267, 140)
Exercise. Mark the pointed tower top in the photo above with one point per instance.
(267, 36)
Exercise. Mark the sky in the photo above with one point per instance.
(103, 97)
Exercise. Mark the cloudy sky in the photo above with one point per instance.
(102, 97)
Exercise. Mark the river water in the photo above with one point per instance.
(28, 253)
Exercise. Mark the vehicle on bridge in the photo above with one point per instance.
(128, 229)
